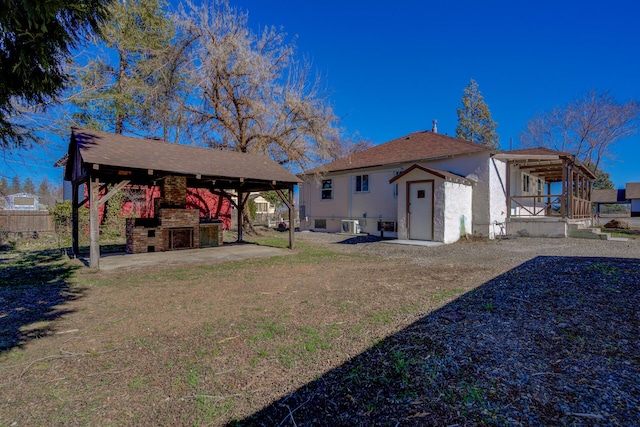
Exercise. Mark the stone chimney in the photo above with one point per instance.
(435, 127)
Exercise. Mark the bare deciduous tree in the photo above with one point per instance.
(254, 96)
(587, 127)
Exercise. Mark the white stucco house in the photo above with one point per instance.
(428, 186)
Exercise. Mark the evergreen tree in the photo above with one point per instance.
(116, 87)
(16, 185)
(603, 180)
(36, 39)
(4, 187)
(45, 193)
(28, 186)
(474, 118)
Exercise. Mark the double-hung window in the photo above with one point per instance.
(327, 189)
(362, 183)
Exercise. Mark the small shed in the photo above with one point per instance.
(436, 205)
(100, 158)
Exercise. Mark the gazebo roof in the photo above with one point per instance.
(115, 157)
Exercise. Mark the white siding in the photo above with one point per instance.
(475, 167)
(487, 202)
(497, 195)
(452, 207)
(458, 211)
(368, 207)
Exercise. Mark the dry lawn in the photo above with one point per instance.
(329, 335)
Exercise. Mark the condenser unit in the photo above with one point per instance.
(350, 226)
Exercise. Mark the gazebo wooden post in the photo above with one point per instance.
(75, 247)
(94, 223)
(289, 201)
(508, 185)
(549, 210)
(240, 216)
(292, 224)
(563, 203)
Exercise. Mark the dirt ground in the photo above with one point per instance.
(326, 335)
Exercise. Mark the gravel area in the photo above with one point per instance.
(553, 340)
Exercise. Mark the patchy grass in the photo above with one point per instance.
(215, 344)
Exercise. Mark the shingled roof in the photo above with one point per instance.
(633, 190)
(608, 196)
(537, 151)
(415, 147)
(106, 151)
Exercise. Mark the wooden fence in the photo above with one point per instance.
(26, 221)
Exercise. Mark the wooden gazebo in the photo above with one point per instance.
(574, 199)
(100, 158)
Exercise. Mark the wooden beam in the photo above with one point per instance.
(74, 218)
(284, 198)
(94, 223)
(292, 225)
(241, 201)
(288, 200)
(113, 192)
(563, 203)
(508, 185)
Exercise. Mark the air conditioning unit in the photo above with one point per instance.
(350, 226)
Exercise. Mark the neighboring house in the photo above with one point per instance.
(629, 195)
(427, 186)
(263, 207)
(265, 212)
(21, 202)
(633, 194)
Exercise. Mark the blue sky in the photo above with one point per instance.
(393, 67)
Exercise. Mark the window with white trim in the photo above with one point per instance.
(362, 183)
(327, 189)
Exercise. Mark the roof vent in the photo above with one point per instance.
(435, 127)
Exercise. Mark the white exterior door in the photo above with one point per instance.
(420, 210)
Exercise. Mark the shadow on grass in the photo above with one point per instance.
(359, 239)
(552, 342)
(33, 290)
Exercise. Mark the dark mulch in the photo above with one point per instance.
(554, 341)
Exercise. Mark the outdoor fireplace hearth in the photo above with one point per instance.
(181, 238)
(173, 229)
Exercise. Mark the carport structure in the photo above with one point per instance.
(98, 159)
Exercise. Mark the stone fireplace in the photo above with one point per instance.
(174, 226)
